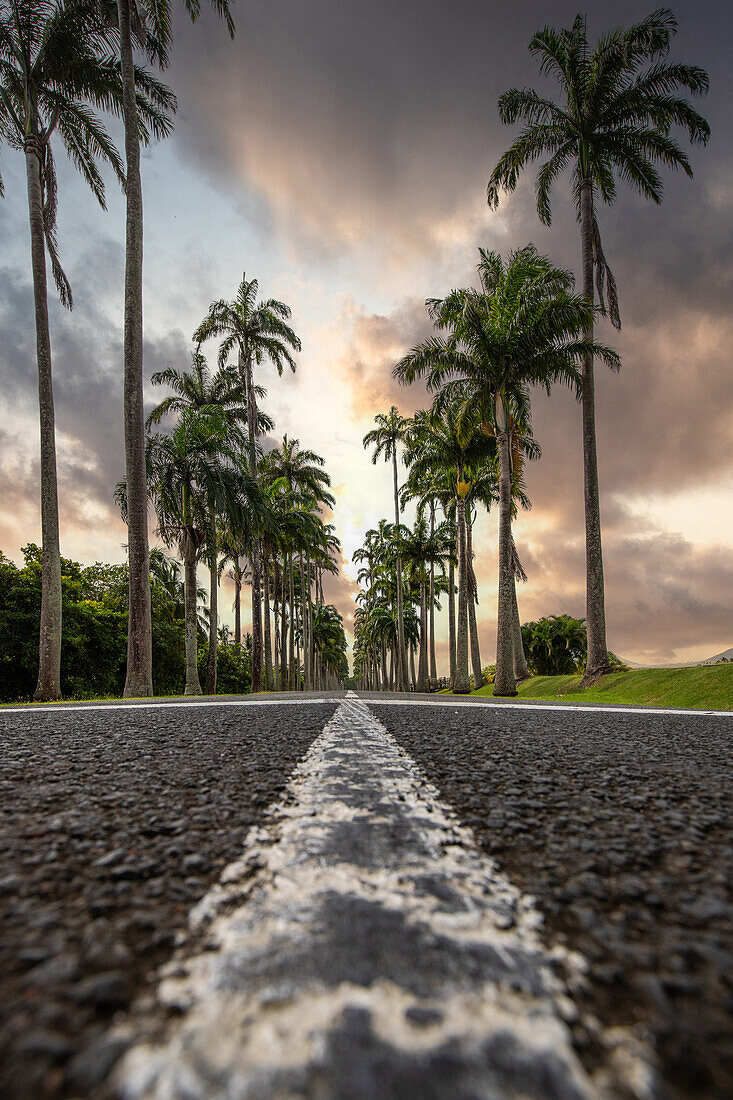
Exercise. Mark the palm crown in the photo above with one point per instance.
(258, 330)
(619, 103)
(55, 74)
(522, 327)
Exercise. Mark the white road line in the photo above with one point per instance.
(364, 945)
(447, 701)
(64, 708)
(298, 700)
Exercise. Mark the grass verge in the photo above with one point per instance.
(705, 687)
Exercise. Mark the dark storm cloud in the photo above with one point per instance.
(353, 119)
(87, 372)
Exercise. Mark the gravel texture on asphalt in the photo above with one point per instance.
(112, 825)
(622, 827)
(374, 954)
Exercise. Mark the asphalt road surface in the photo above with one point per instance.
(118, 819)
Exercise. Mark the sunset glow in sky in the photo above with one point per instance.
(339, 152)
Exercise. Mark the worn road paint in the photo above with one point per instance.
(384, 700)
(363, 948)
(590, 708)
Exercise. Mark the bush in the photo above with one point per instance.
(93, 630)
(233, 666)
(555, 645)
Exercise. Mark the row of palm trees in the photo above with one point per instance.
(64, 64)
(220, 499)
(524, 326)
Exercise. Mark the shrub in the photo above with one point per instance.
(555, 645)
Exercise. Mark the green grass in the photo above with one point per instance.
(706, 687)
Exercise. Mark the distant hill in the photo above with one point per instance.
(726, 655)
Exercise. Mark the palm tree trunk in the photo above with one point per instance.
(461, 683)
(402, 663)
(412, 668)
(478, 676)
(521, 672)
(276, 621)
(431, 607)
(309, 623)
(504, 680)
(598, 662)
(139, 677)
(245, 371)
(193, 684)
(256, 595)
(422, 667)
(267, 641)
(285, 613)
(451, 621)
(237, 607)
(213, 609)
(49, 646)
(292, 671)
(304, 628)
(385, 671)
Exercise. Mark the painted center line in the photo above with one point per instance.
(363, 947)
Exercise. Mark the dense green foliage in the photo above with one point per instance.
(555, 645)
(94, 637)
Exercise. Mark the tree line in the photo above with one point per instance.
(219, 498)
(525, 326)
(64, 64)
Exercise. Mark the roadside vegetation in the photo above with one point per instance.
(523, 325)
(704, 687)
(224, 500)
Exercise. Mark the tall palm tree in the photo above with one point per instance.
(385, 439)
(436, 446)
(258, 331)
(433, 483)
(147, 25)
(523, 327)
(54, 76)
(233, 545)
(619, 102)
(198, 389)
(422, 548)
(198, 464)
(307, 486)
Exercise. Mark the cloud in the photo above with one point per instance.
(369, 345)
(87, 376)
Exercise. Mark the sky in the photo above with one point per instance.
(339, 152)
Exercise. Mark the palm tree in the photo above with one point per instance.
(385, 439)
(422, 548)
(307, 485)
(258, 331)
(197, 467)
(523, 327)
(54, 75)
(620, 100)
(146, 24)
(329, 642)
(438, 448)
(198, 389)
(233, 546)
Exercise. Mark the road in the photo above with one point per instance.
(376, 935)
